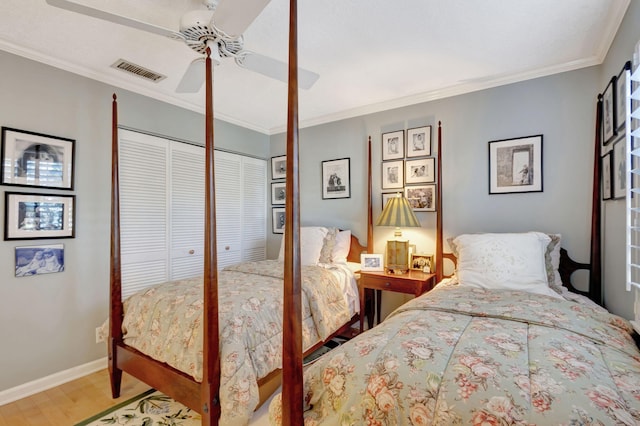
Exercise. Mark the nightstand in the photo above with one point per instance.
(413, 282)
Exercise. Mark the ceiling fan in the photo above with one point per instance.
(218, 25)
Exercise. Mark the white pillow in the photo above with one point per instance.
(511, 261)
(341, 247)
(311, 241)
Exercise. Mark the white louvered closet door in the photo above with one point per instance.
(254, 232)
(228, 208)
(144, 216)
(162, 209)
(186, 235)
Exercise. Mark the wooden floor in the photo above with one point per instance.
(69, 403)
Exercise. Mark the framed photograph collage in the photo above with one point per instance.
(278, 193)
(615, 108)
(37, 162)
(408, 167)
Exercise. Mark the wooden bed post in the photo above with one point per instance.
(292, 403)
(439, 235)
(210, 388)
(369, 207)
(595, 274)
(115, 285)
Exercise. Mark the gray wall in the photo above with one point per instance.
(617, 299)
(47, 322)
(560, 107)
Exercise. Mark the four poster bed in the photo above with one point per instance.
(506, 340)
(215, 343)
(476, 349)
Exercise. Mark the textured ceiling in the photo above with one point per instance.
(371, 55)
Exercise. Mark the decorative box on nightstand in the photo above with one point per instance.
(413, 282)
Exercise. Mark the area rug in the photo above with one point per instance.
(150, 408)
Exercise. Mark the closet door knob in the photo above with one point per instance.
(227, 247)
(192, 251)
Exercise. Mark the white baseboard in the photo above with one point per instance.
(56, 379)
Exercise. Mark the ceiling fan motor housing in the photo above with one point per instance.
(198, 29)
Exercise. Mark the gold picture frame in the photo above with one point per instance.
(421, 261)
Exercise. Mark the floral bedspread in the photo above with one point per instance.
(461, 356)
(165, 322)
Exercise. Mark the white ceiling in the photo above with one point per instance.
(371, 55)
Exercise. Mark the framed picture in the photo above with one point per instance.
(386, 196)
(393, 145)
(277, 220)
(371, 262)
(622, 80)
(38, 216)
(420, 171)
(421, 198)
(336, 179)
(608, 112)
(279, 167)
(34, 159)
(42, 259)
(393, 174)
(422, 262)
(419, 142)
(606, 176)
(515, 165)
(619, 169)
(278, 192)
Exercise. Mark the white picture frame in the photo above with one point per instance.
(371, 262)
(336, 179)
(515, 165)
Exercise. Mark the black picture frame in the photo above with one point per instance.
(515, 165)
(619, 169)
(36, 160)
(420, 170)
(279, 167)
(621, 104)
(392, 174)
(277, 220)
(608, 124)
(418, 142)
(278, 193)
(30, 216)
(336, 179)
(393, 145)
(422, 198)
(607, 176)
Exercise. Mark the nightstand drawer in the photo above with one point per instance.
(384, 283)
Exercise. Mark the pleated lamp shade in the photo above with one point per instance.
(398, 213)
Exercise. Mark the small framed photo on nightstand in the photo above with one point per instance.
(371, 262)
(422, 262)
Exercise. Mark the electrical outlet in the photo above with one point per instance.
(99, 338)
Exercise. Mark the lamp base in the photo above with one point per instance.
(397, 257)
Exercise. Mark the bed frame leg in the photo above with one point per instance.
(115, 374)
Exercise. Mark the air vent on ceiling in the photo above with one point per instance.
(132, 68)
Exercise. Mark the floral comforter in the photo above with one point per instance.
(461, 356)
(165, 322)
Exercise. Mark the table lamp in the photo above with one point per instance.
(398, 213)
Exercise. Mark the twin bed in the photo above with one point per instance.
(500, 342)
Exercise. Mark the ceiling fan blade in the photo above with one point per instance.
(193, 77)
(234, 16)
(112, 17)
(275, 69)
